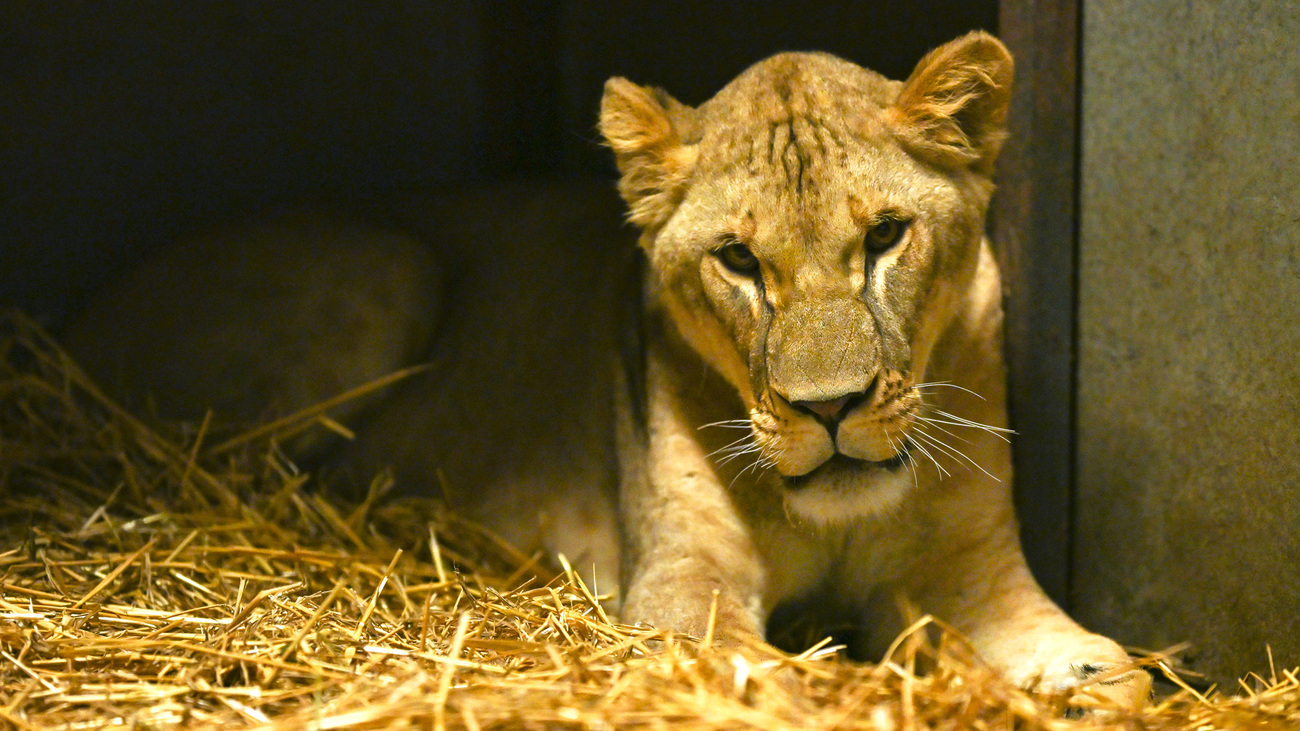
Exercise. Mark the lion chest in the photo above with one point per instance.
(844, 564)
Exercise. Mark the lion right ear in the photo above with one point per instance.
(953, 107)
(649, 132)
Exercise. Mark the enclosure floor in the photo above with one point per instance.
(191, 577)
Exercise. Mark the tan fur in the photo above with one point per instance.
(857, 483)
(788, 425)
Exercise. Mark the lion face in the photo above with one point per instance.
(812, 244)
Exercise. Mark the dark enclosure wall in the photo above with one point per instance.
(125, 124)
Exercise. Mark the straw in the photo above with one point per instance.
(149, 581)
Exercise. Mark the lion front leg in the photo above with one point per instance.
(688, 556)
(988, 594)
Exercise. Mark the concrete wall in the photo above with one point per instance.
(1188, 520)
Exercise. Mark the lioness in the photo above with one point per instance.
(810, 407)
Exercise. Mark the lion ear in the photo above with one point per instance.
(953, 107)
(649, 132)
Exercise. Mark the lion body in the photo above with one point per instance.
(815, 419)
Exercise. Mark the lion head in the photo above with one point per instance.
(810, 231)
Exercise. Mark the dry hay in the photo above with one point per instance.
(196, 580)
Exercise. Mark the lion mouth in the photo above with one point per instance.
(840, 465)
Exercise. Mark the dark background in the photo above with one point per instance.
(126, 124)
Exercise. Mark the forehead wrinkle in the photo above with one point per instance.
(795, 228)
(814, 86)
(799, 129)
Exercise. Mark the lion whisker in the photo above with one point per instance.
(939, 445)
(953, 420)
(729, 424)
(745, 441)
(760, 465)
(907, 460)
(997, 431)
(951, 451)
(926, 452)
(935, 423)
(739, 452)
(947, 384)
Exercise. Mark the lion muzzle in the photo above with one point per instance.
(823, 355)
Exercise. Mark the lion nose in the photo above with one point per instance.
(833, 409)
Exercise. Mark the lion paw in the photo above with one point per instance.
(1091, 687)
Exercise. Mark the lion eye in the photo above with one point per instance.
(738, 258)
(885, 234)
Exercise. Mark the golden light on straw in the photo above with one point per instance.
(150, 581)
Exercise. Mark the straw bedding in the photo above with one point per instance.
(191, 577)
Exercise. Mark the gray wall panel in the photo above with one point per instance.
(1188, 504)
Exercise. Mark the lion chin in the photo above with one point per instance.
(843, 489)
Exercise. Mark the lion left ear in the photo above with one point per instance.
(649, 132)
(953, 107)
